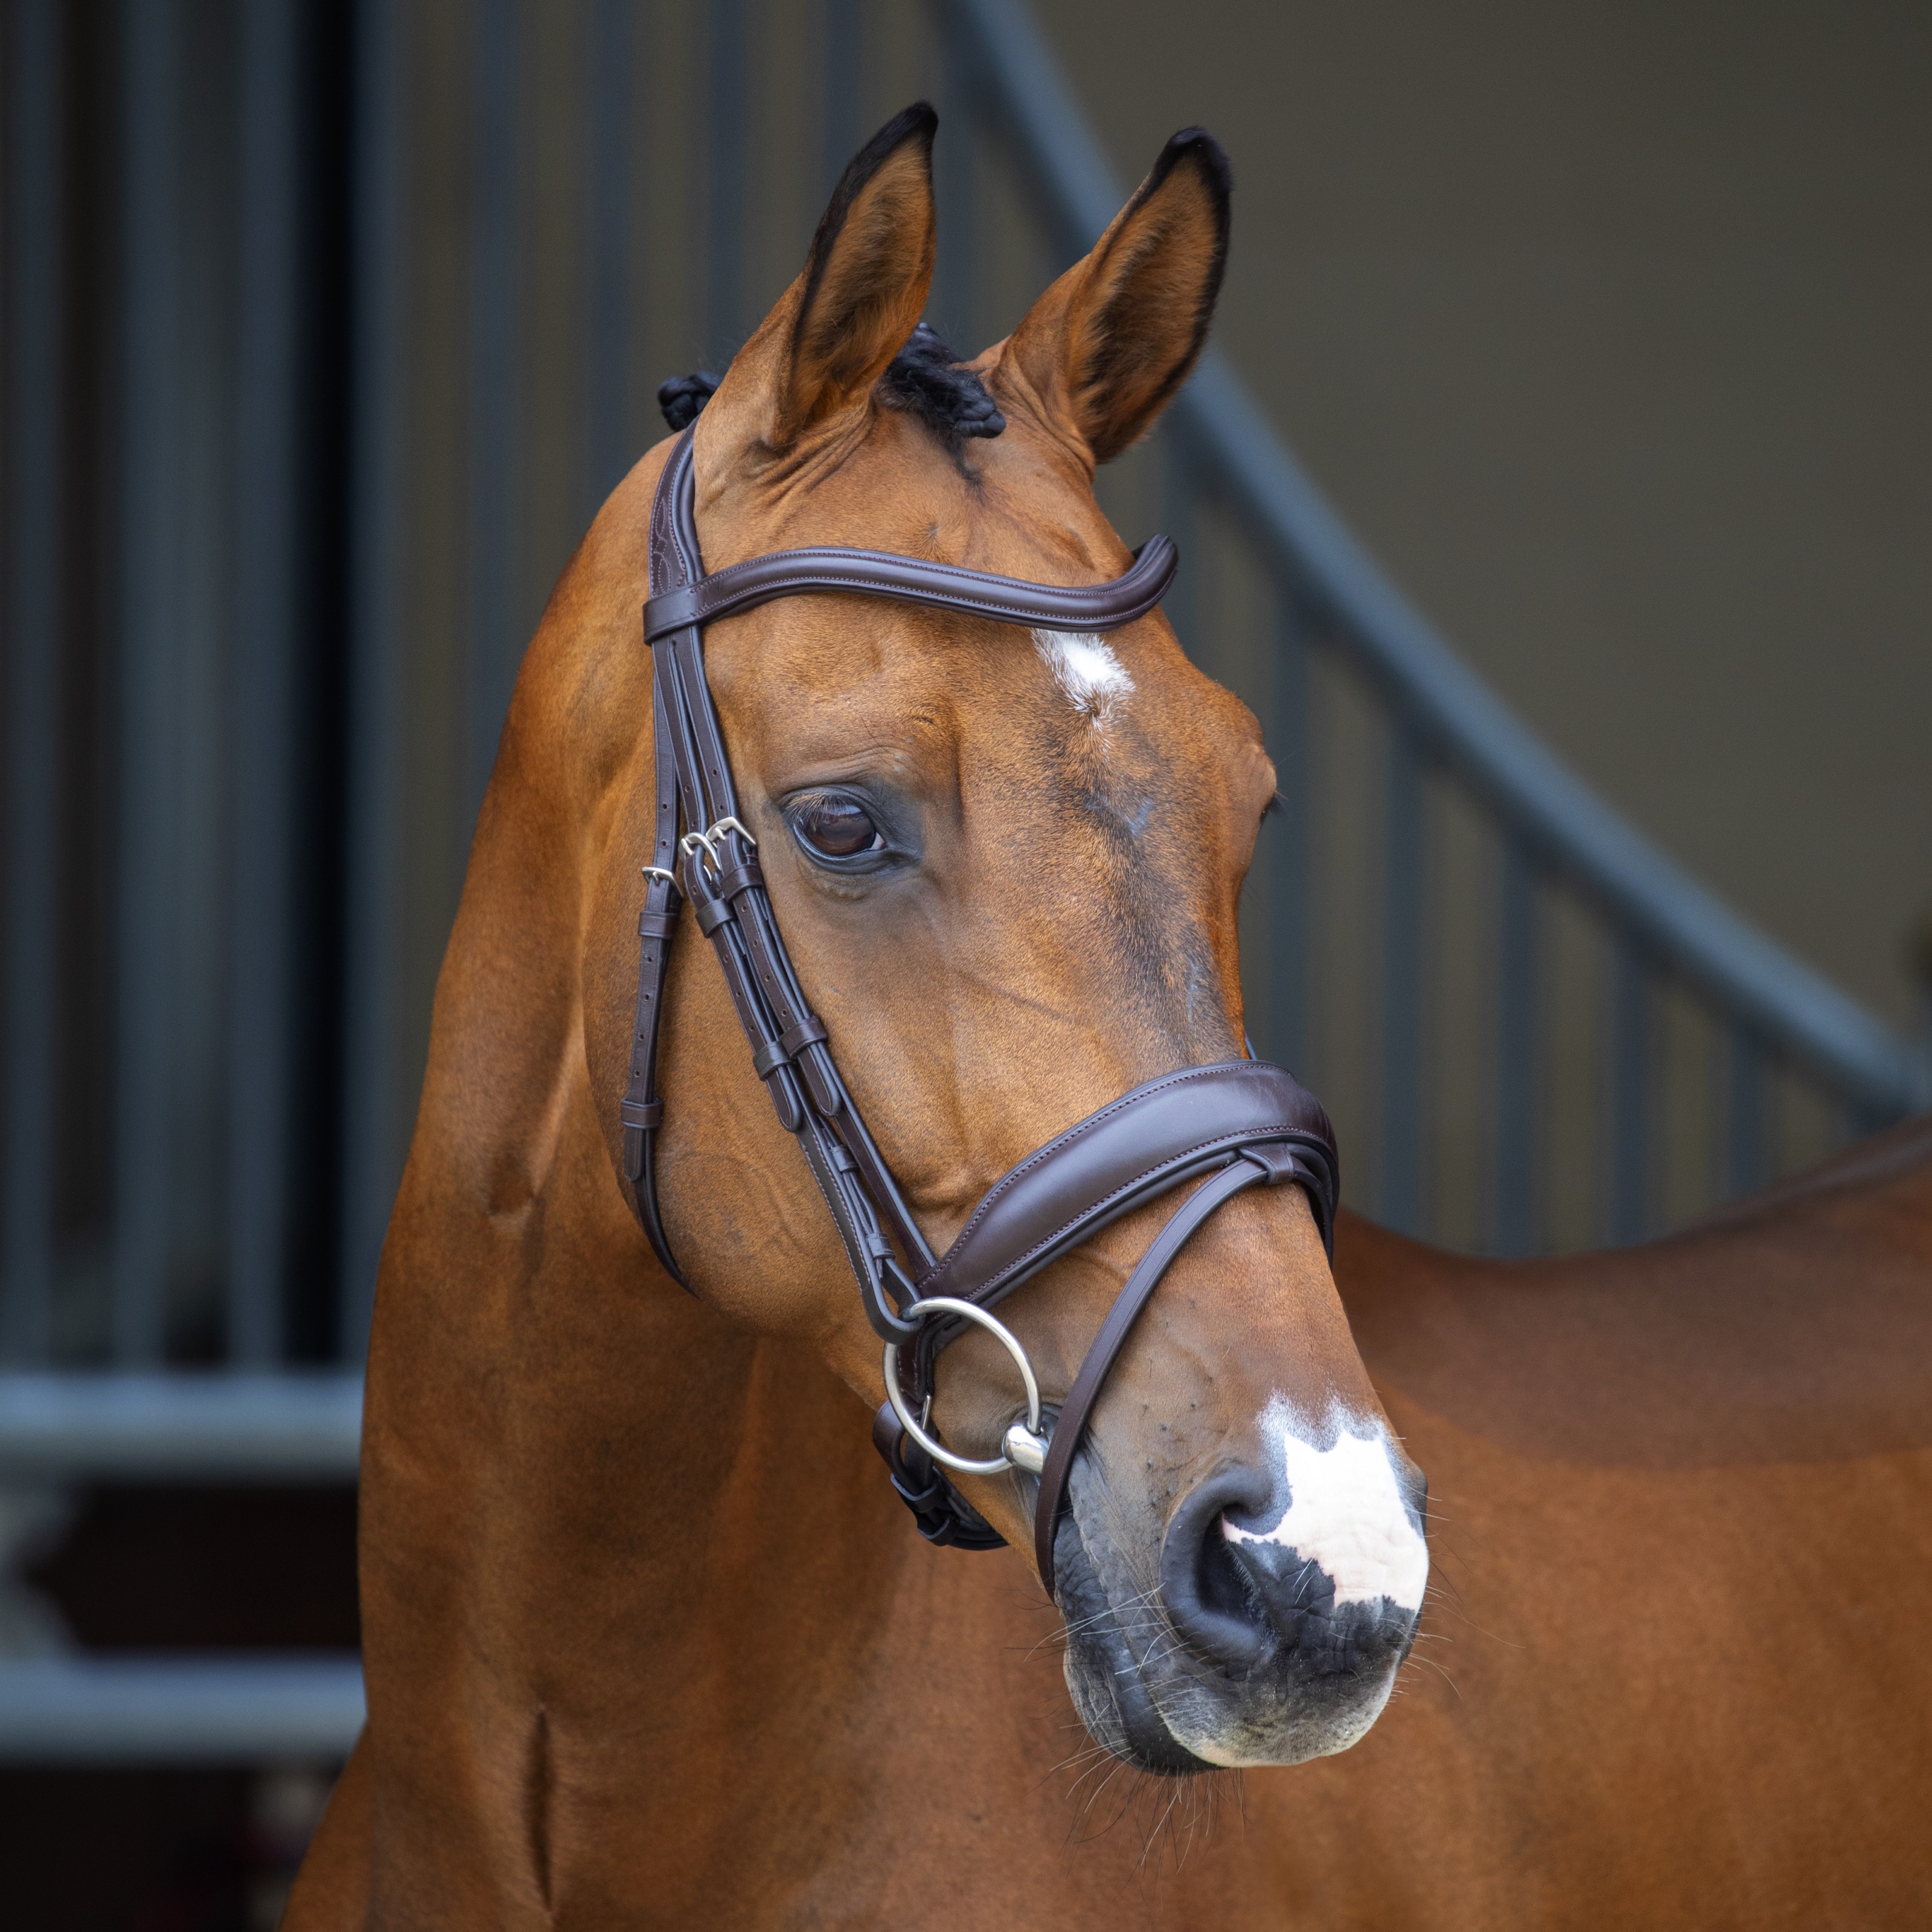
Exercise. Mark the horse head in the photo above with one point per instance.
(1006, 863)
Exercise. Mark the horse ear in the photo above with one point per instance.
(1106, 348)
(860, 295)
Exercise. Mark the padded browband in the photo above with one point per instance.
(974, 593)
(1149, 1140)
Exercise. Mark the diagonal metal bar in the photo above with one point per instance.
(1644, 891)
(1398, 1200)
(1514, 1221)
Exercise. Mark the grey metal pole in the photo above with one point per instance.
(844, 83)
(1181, 482)
(1288, 843)
(262, 904)
(726, 65)
(375, 1116)
(1630, 1092)
(610, 439)
(1743, 1110)
(150, 624)
(955, 161)
(493, 391)
(33, 191)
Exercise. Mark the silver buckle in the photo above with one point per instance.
(706, 842)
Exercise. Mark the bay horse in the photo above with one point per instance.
(648, 1638)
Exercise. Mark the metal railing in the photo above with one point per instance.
(311, 393)
(1756, 1037)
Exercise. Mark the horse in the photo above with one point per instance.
(648, 1638)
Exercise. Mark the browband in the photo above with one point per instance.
(1228, 1126)
(911, 580)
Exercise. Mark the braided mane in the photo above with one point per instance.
(922, 379)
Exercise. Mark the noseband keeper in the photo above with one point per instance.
(1228, 1126)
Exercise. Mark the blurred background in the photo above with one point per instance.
(1558, 498)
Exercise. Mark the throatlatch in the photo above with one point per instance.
(1230, 1126)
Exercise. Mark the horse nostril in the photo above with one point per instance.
(1209, 1591)
(1242, 1600)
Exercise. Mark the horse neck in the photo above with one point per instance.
(528, 1344)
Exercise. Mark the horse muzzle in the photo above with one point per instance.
(1289, 1593)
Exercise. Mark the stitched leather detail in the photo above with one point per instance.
(740, 878)
(1123, 1153)
(1071, 1424)
(807, 1030)
(974, 593)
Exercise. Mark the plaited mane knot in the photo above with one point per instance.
(683, 396)
(922, 378)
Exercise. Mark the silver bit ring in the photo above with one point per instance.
(1025, 1447)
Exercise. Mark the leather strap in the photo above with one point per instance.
(1150, 1139)
(643, 1111)
(911, 580)
(941, 1515)
(1071, 1424)
(1153, 1139)
(730, 906)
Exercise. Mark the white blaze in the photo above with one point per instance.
(1345, 1512)
(1087, 671)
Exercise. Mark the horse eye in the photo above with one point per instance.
(837, 828)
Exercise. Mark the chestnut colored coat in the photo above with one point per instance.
(650, 1642)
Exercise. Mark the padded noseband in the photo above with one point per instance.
(1228, 1126)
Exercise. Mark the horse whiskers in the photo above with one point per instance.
(1087, 1762)
(1412, 1658)
(1153, 1836)
(1138, 1600)
(1100, 1756)
(1120, 1618)
(1124, 1630)
(1441, 1588)
(1470, 1624)
(1084, 1755)
(1093, 1797)
(1114, 1614)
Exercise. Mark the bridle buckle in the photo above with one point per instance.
(707, 841)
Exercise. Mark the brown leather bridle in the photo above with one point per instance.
(1239, 1123)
